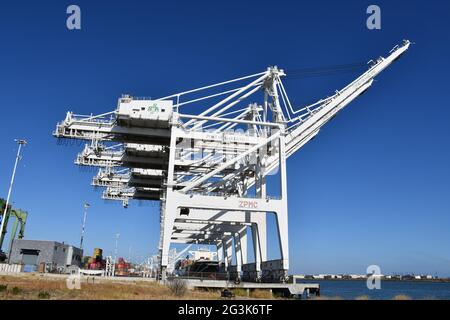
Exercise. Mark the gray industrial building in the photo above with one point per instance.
(54, 254)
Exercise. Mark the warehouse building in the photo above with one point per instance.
(55, 255)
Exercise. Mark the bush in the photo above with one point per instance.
(3, 287)
(16, 290)
(178, 287)
(44, 295)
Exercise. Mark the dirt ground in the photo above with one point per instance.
(37, 286)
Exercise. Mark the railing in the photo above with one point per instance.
(101, 118)
(200, 275)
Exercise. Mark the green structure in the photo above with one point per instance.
(20, 218)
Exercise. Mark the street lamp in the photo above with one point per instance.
(20, 142)
(117, 244)
(115, 255)
(86, 206)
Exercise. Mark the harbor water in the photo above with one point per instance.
(353, 289)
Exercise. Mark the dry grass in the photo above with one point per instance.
(39, 287)
(401, 297)
(326, 298)
(363, 297)
(261, 294)
(239, 292)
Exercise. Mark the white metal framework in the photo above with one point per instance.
(207, 154)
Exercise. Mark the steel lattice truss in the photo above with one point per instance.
(205, 155)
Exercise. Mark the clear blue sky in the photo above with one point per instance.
(372, 188)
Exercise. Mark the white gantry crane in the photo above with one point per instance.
(215, 158)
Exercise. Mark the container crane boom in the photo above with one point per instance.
(312, 118)
(310, 122)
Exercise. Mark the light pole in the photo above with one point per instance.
(117, 244)
(20, 142)
(113, 271)
(86, 206)
(129, 254)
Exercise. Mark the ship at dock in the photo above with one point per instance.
(201, 263)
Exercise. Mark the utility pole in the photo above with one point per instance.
(129, 254)
(117, 245)
(112, 261)
(20, 142)
(86, 206)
